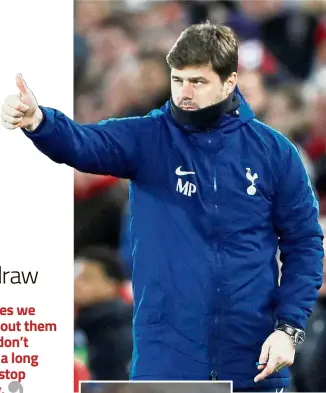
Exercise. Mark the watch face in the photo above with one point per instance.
(300, 336)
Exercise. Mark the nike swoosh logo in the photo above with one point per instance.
(179, 172)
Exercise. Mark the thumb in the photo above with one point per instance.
(21, 84)
(263, 358)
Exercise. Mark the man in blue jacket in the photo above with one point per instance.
(213, 194)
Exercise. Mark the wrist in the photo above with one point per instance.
(297, 335)
(37, 120)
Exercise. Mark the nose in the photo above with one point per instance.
(187, 91)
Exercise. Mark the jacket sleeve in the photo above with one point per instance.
(296, 212)
(111, 147)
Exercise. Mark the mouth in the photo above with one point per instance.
(188, 108)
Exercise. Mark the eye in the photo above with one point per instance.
(177, 80)
(198, 83)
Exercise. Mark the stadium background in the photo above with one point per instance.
(120, 70)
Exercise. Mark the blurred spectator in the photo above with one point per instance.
(321, 181)
(80, 62)
(309, 370)
(89, 15)
(286, 113)
(320, 44)
(288, 34)
(252, 86)
(99, 201)
(101, 313)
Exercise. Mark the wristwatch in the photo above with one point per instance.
(296, 334)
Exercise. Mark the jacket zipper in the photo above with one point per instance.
(213, 372)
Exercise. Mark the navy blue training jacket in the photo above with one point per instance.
(207, 212)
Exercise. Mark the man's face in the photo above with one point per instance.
(194, 88)
(280, 115)
(91, 284)
(251, 86)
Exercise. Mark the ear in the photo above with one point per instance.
(231, 83)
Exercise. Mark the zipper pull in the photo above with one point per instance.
(213, 375)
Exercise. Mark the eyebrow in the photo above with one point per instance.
(193, 79)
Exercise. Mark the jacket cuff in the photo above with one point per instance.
(291, 315)
(288, 322)
(46, 125)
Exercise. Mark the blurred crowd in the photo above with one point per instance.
(120, 70)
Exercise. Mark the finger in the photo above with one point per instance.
(8, 125)
(269, 369)
(21, 84)
(260, 366)
(10, 119)
(11, 111)
(15, 102)
(280, 366)
(263, 358)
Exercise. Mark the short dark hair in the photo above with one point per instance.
(204, 44)
(119, 21)
(107, 258)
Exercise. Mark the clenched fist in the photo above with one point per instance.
(21, 110)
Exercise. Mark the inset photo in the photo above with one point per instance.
(157, 387)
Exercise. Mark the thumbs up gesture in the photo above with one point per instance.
(21, 110)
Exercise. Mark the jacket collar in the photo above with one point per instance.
(206, 117)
